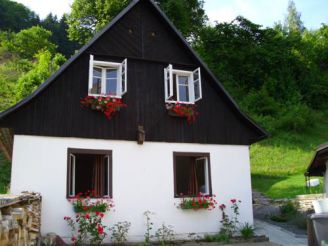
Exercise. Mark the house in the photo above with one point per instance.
(319, 164)
(149, 154)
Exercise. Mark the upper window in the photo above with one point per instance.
(191, 174)
(182, 86)
(107, 78)
(89, 170)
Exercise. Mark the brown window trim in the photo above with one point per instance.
(191, 154)
(95, 152)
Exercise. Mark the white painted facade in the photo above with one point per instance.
(326, 179)
(142, 180)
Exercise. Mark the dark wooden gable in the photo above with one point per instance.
(146, 39)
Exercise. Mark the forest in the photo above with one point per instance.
(278, 75)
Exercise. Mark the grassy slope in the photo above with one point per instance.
(278, 163)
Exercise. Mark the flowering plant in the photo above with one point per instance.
(87, 225)
(230, 224)
(82, 203)
(202, 201)
(108, 105)
(87, 228)
(183, 110)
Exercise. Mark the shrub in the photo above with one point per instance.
(120, 231)
(165, 234)
(247, 230)
(87, 228)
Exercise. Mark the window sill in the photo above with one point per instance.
(102, 95)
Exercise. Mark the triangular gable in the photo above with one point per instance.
(232, 103)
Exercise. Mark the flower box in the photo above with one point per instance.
(187, 111)
(200, 202)
(107, 105)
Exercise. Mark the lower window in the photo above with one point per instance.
(89, 170)
(192, 174)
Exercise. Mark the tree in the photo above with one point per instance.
(46, 65)
(59, 34)
(187, 15)
(29, 42)
(293, 22)
(15, 16)
(88, 17)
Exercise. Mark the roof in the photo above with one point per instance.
(317, 166)
(262, 133)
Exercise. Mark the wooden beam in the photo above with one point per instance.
(6, 143)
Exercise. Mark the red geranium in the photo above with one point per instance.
(187, 111)
(108, 105)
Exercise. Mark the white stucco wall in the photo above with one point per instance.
(326, 179)
(142, 180)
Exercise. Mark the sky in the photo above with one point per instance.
(263, 12)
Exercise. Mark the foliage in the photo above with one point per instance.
(5, 169)
(119, 232)
(293, 22)
(88, 17)
(15, 16)
(184, 110)
(46, 65)
(187, 15)
(165, 234)
(246, 230)
(83, 203)
(29, 42)
(278, 163)
(87, 228)
(149, 227)
(202, 201)
(107, 105)
(58, 28)
(229, 224)
(271, 73)
(289, 213)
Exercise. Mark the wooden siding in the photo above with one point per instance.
(57, 112)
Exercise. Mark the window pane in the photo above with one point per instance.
(183, 88)
(200, 173)
(96, 86)
(111, 87)
(197, 89)
(111, 73)
(96, 72)
(191, 175)
(183, 93)
(183, 80)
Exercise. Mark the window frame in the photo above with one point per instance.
(170, 73)
(75, 151)
(104, 65)
(196, 155)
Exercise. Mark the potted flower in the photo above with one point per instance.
(202, 201)
(107, 105)
(187, 111)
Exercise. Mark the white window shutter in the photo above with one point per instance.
(197, 84)
(90, 72)
(124, 77)
(168, 82)
(71, 175)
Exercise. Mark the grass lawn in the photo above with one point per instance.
(278, 163)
